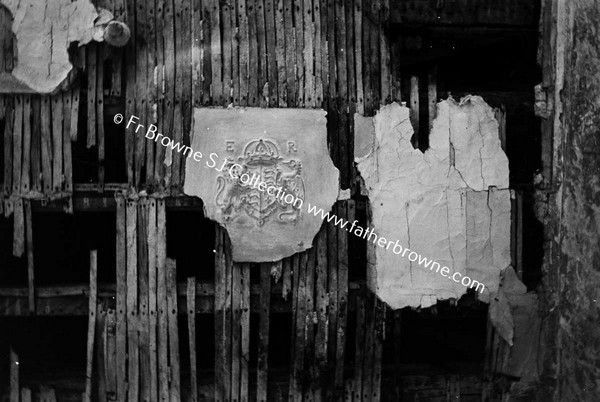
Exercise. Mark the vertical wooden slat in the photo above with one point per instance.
(196, 44)
(132, 303)
(219, 316)
(14, 376)
(397, 333)
(206, 52)
(151, 91)
(57, 166)
(290, 55)
(520, 230)
(121, 303)
(395, 63)
(308, 54)
(360, 347)
(235, 54)
(245, 331)
(323, 8)
(191, 315)
(236, 299)
(374, 59)
(46, 124)
(278, 5)
(111, 355)
(162, 112)
(331, 49)
(286, 282)
(170, 121)
(36, 144)
(227, 321)
(175, 387)
(26, 163)
(141, 86)
(259, 9)
(73, 130)
(299, 41)
(161, 297)
(367, 370)
(215, 49)
(130, 91)
(309, 348)
(186, 76)
(25, 395)
(18, 228)
(299, 321)
(319, 46)
(414, 107)
(100, 349)
(30, 259)
(367, 61)
(384, 35)
(152, 298)
(91, 64)
(17, 142)
(227, 52)
(262, 368)
(99, 105)
(91, 324)
(270, 34)
(378, 350)
(8, 138)
(349, 50)
(332, 290)
(253, 68)
(342, 294)
(66, 142)
(341, 58)
(143, 297)
(244, 51)
(321, 303)
(432, 95)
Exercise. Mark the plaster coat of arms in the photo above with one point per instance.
(284, 148)
(261, 159)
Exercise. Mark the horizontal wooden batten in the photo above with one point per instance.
(72, 300)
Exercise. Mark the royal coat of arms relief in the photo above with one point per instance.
(261, 170)
(261, 160)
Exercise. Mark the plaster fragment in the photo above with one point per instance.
(43, 31)
(453, 210)
(285, 148)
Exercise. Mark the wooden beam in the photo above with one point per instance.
(162, 306)
(132, 303)
(14, 376)
(191, 315)
(262, 368)
(175, 383)
(30, 258)
(121, 300)
(91, 324)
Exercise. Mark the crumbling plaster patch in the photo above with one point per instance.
(44, 30)
(450, 203)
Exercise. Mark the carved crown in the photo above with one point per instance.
(261, 152)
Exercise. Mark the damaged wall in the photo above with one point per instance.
(450, 203)
(569, 201)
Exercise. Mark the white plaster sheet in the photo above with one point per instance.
(450, 204)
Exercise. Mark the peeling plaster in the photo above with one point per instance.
(450, 204)
(44, 30)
